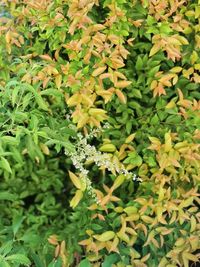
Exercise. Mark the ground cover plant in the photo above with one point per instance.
(99, 133)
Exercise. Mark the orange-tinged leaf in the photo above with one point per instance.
(122, 84)
(159, 90)
(53, 239)
(46, 57)
(146, 257)
(99, 71)
(121, 96)
(57, 251)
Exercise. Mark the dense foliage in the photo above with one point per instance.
(99, 133)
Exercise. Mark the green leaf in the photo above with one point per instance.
(56, 263)
(85, 263)
(5, 165)
(139, 63)
(7, 196)
(3, 263)
(18, 258)
(37, 261)
(111, 259)
(15, 94)
(17, 222)
(6, 248)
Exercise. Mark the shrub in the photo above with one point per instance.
(99, 140)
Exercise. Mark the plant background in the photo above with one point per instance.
(99, 133)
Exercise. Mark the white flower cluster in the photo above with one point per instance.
(87, 153)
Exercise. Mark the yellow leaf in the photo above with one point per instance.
(176, 69)
(182, 39)
(83, 121)
(161, 194)
(76, 199)
(194, 242)
(98, 71)
(131, 231)
(163, 262)
(147, 219)
(193, 224)
(86, 100)
(58, 80)
(96, 111)
(156, 47)
(114, 244)
(85, 242)
(124, 237)
(74, 100)
(179, 242)
(131, 210)
(118, 181)
(197, 66)
(170, 105)
(44, 149)
(189, 256)
(154, 84)
(8, 37)
(105, 236)
(186, 203)
(130, 138)
(107, 148)
(122, 84)
(132, 218)
(168, 142)
(75, 180)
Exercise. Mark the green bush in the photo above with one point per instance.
(99, 133)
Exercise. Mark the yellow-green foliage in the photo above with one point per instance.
(134, 64)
